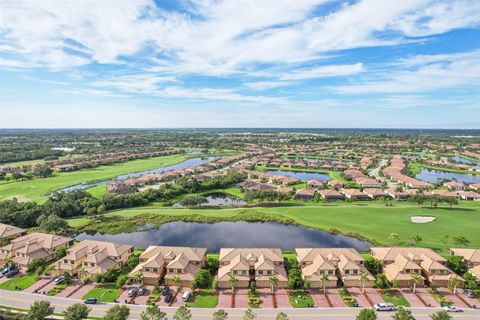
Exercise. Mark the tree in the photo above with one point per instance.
(53, 224)
(249, 315)
(415, 240)
(40, 310)
(403, 314)
(233, 281)
(415, 277)
(273, 281)
(138, 277)
(182, 313)
(60, 253)
(36, 264)
(455, 282)
(203, 278)
(324, 280)
(367, 314)
(456, 264)
(153, 313)
(220, 315)
(461, 241)
(281, 316)
(77, 311)
(117, 312)
(373, 265)
(363, 279)
(441, 315)
(177, 281)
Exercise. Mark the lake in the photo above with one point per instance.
(466, 161)
(302, 175)
(218, 200)
(434, 175)
(232, 234)
(192, 162)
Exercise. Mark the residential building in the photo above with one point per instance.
(251, 265)
(329, 194)
(7, 233)
(93, 257)
(471, 257)
(344, 265)
(305, 194)
(355, 194)
(169, 263)
(25, 249)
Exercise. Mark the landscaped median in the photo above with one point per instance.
(203, 299)
(20, 283)
(395, 297)
(301, 299)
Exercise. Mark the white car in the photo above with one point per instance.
(452, 309)
(384, 307)
(59, 280)
(186, 296)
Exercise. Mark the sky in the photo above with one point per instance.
(240, 63)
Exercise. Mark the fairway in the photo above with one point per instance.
(373, 221)
(37, 189)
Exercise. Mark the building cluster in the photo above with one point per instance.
(395, 172)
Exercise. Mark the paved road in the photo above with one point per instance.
(375, 173)
(23, 300)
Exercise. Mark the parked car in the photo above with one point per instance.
(168, 297)
(384, 307)
(59, 280)
(469, 293)
(11, 273)
(90, 301)
(132, 292)
(141, 291)
(452, 309)
(8, 269)
(185, 296)
(165, 291)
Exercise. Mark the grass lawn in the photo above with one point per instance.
(347, 297)
(37, 189)
(19, 284)
(107, 293)
(98, 191)
(371, 220)
(395, 297)
(301, 300)
(203, 300)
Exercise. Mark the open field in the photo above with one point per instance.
(373, 220)
(37, 189)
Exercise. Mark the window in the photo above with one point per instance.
(355, 271)
(155, 270)
(269, 272)
(347, 271)
(330, 272)
(65, 261)
(260, 271)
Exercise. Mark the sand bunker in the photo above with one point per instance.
(422, 219)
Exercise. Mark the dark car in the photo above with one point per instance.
(90, 301)
(11, 273)
(141, 291)
(165, 291)
(168, 297)
(8, 269)
(469, 293)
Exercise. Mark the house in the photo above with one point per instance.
(355, 194)
(93, 257)
(304, 194)
(444, 193)
(336, 184)
(368, 182)
(343, 265)
(471, 257)
(400, 263)
(251, 265)
(25, 249)
(469, 195)
(329, 194)
(315, 184)
(454, 185)
(401, 195)
(118, 186)
(169, 262)
(375, 193)
(7, 233)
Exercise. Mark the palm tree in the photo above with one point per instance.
(8, 261)
(324, 279)
(415, 277)
(273, 281)
(177, 281)
(363, 279)
(138, 277)
(454, 282)
(233, 281)
(82, 273)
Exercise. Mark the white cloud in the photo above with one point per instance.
(324, 72)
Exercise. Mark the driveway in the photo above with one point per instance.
(177, 302)
(453, 297)
(75, 284)
(45, 282)
(374, 294)
(362, 299)
(82, 291)
(335, 298)
(224, 296)
(265, 298)
(144, 297)
(427, 297)
(320, 300)
(412, 299)
(241, 298)
(282, 298)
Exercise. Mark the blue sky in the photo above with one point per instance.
(240, 63)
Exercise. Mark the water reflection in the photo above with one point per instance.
(434, 175)
(302, 175)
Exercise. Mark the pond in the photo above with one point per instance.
(233, 234)
(302, 175)
(434, 175)
(466, 161)
(181, 165)
(218, 200)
